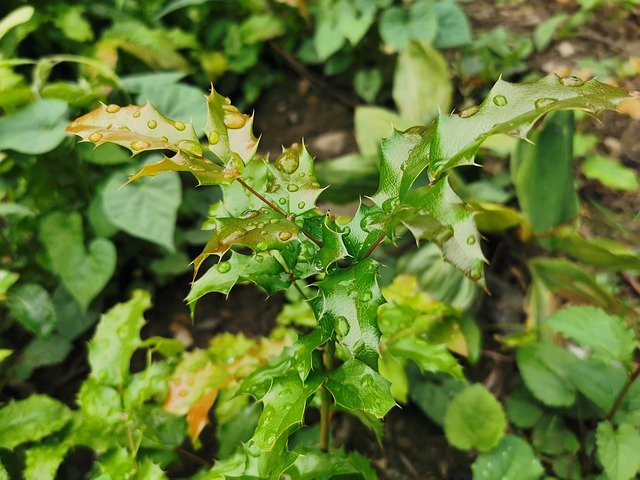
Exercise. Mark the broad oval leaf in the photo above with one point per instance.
(513, 458)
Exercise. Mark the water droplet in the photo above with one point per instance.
(571, 81)
(113, 108)
(346, 230)
(224, 267)
(545, 102)
(273, 220)
(95, 137)
(342, 326)
(152, 124)
(288, 161)
(475, 275)
(366, 296)
(261, 225)
(191, 147)
(301, 205)
(249, 214)
(292, 187)
(139, 145)
(284, 236)
(271, 441)
(301, 175)
(282, 201)
(403, 166)
(183, 393)
(315, 185)
(500, 100)
(273, 187)
(259, 258)
(163, 139)
(263, 232)
(471, 240)
(443, 234)
(136, 114)
(179, 126)
(234, 120)
(469, 111)
(213, 137)
(261, 247)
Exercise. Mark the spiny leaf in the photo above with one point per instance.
(293, 185)
(356, 386)
(333, 247)
(229, 132)
(358, 234)
(513, 108)
(261, 269)
(348, 304)
(260, 230)
(436, 213)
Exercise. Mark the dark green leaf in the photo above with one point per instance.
(356, 386)
(36, 129)
(31, 305)
(551, 436)
(336, 464)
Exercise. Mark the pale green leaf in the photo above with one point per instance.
(356, 386)
(31, 419)
(545, 31)
(372, 123)
(611, 173)
(513, 458)
(618, 450)
(16, 17)
(545, 371)
(606, 335)
(428, 356)
(31, 305)
(36, 129)
(454, 29)
(84, 271)
(315, 465)
(421, 86)
(399, 26)
(474, 419)
(116, 338)
(42, 461)
(599, 381)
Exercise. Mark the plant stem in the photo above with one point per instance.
(374, 246)
(276, 209)
(325, 397)
(616, 405)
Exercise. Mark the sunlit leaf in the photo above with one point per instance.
(617, 450)
(513, 457)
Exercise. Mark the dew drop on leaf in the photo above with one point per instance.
(292, 187)
(224, 267)
(346, 230)
(315, 185)
(571, 81)
(500, 100)
(152, 124)
(234, 120)
(469, 111)
(139, 145)
(301, 205)
(213, 137)
(95, 137)
(273, 220)
(113, 108)
(179, 126)
(273, 187)
(545, 102)
(249, 214)
(287, 162)
(284, 236)
(137, 114)
(342, 326)
(261, 247)
(471, 240)
(366, 296)
(263, 232)
(282, 201)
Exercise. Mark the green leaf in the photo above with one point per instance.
(568, 280)
(599, 252)
(367, 84)
(427, 356)
(348, 303)
(522, 409)
(545, 31)
(356, 236)
(618, 450)
(262, 269)
(421, 86)
(178, 101)
(611, 173)
(260, 230)
(260, 28)
(71, 20)
(146, 209)
(42, 461)
(432, 394)
(512, 458)
(16, 17)
(608, 336)
(315, 465)
(514, 109)
(545, 371)
(36, 129)
(543, 174)
(399, 26)
(372, 123)
(31, 419)
(40, 352)
(453, 27)
(31, 305)
(84, 271)
(333, 245)
(292, 183)
(599, 381)
(116, 338)
(474, 419)
(356, 386)
(105, 154)
(284, 406)
(551, 436)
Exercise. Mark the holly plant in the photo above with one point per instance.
(268, 229)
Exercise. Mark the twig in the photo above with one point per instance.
(616, 405)
(194, 457)
(325, 398)
(374, 246)
(315, 82)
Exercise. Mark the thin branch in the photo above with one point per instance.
(616, 405)
(276, 209)
(194, 457)
(325, 397)
(374, 246)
